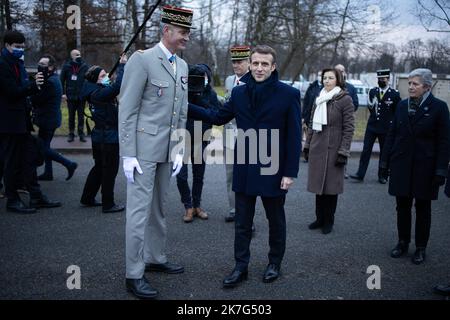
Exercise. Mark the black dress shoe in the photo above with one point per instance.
(18, 206)
(45, 177)
(442, 290)
(382, 180)
(91, 204)
(71, 169)
(141, 288)
(170, 268)
(419, 256)
(315, 225)
(44, 202)
(272, 273)
(115, 208)
(357, 178)
(400, 249)
(82, 138)
(230, 217)
(235, 278)
(71, 137)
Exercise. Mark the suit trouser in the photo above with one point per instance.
(76, 107)
(146, 224)
(245, 211)
(103, 174)
(369, 140)
(19, 169)
(423, 220)
(229, 173)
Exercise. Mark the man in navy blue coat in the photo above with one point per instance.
(267, 114)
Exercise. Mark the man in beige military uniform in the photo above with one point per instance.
(240, 58)
(153, 105)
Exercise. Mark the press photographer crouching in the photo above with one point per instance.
(101, 97)
(47, 116)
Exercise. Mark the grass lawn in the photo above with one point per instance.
(361, 117)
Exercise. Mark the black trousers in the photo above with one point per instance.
(192, 199)
(103, 174)
(423, 220)
(245, 211)
(326, 208)
(19, 169)
(369, 140)
(76, 107)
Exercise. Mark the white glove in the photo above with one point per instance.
(177, 164)
(129, 164)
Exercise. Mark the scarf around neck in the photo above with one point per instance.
(260, 91)
(320, 114)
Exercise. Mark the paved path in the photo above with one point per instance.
(36, 250)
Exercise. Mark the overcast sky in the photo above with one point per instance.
(410, 26)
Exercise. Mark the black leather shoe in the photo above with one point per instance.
(400, 249)
(272, 273)
(419, 256)
(327, 228)
(82, 138)
(45, 177)
(442, 290)
(230, 217)
(170, 268)
(357, 178)
(382, 180)
(315, 225)
(18, 206)
(71, 169)
(235, 278)
(91, 204)
(113, 209)
(141, 288)
(44, 202)
(71, 137)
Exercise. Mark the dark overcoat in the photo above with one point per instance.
(417, 149)
(279, 108)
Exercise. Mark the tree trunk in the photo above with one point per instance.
(9, 25)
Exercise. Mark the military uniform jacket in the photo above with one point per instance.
(152, 105)
(382, 113)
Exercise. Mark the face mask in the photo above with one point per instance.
(78, 60)
(206, 82)
(106, 81)
(382, 84)
(18, 53)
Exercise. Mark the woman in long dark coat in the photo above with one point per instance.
(416, 152)
(327, 147)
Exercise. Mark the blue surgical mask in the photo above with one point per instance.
(106, 81)
(18, 53)
(206, 82)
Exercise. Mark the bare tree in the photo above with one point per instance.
(434, 15)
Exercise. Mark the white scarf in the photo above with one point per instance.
(320, 114)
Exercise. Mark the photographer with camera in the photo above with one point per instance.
(17, 144)
(101, 97)
(47, 116)
(201, 94)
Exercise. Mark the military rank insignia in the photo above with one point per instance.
(160, 92)
(184, 80)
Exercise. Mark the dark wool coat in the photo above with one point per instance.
(417, 149)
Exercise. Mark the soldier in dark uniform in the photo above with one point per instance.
(382, 103)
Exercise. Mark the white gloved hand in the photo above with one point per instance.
(177, 164)
(129, 164)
